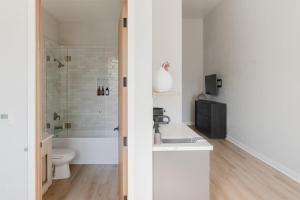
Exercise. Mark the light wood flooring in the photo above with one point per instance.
(236, 175)
(87, 182)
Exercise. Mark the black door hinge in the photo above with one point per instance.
(41, 145)
(125, 197)
(68, 58)
(125, 22)
(125, 141)
(125, 81)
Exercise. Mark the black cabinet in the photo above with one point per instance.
(210, 118)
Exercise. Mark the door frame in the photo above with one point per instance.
(33, 66)
(38, 100)
(123, 100)
(35, 83)
(139, 155)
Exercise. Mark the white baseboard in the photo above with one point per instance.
(288, 172)
(189, 123)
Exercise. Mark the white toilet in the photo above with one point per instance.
(61, 159)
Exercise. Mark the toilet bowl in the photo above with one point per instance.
(61, 159)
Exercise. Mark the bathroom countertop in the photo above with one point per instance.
(181, 131)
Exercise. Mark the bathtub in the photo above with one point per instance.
(91, 150)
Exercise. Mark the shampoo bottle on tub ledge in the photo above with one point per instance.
(162, 79)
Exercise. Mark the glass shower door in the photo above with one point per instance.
(56, 82)
(74, 77)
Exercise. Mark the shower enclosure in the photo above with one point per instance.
(73, 78)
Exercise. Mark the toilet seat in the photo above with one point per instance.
(63, 154)
(61, 159)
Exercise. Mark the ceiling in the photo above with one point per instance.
(198, 8)
(83, 10)
(109, 10)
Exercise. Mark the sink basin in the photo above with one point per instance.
(179, 140)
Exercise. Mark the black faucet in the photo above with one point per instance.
(156, 127)
(160, 120)
(56, 116)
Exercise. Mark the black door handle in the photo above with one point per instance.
(116, 129)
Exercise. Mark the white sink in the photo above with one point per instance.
(180, 140)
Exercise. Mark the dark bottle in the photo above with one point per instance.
(98, 91)
(102, 91)
(107, 91)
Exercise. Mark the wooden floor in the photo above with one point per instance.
(88, 182)
(236, 175)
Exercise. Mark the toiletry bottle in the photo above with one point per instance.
(102, 91)
(98, 91)
(107, 91)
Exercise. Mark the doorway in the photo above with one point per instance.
(82, 99)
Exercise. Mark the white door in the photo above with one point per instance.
(13, 100)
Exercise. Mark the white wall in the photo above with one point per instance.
(167, 46)
(13, 182)
(104, 33)
(192, 66)
(50, 26)
(80, 33)
(254, 46)
(140, 100)
(13, 101)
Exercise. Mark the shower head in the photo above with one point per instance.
(60, 65)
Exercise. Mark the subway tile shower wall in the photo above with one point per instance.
(90, 115)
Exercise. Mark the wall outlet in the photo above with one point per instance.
(7, 118)
(4, 116)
